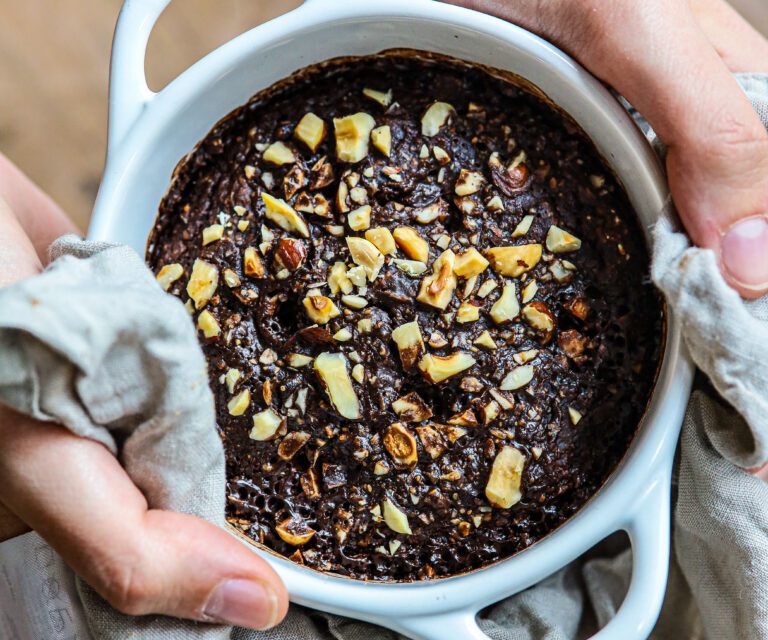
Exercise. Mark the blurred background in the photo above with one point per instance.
(54, 59)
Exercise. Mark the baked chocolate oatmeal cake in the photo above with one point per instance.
(424, 304)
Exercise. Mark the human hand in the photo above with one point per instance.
(673, 59)
(74, 493)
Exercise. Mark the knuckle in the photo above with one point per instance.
(126, 586)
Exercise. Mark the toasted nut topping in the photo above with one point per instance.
(469, 262)
(572, 343)
(249, 171)
(358, 373)
(366, 255)
(231, 279)
(561, 272)
(332, 370)
(504, 402)
(490, 411)
(439, 368)
(468, 182)
(437, 289)
(354, 302)
(578, 308)
(320, 309)
(486, 288)
(352, 133)
(213, 233)
(338, 279)
(297, 360)
(231, 378)
(295, 531)
(291, 253)
(357, 276)
(169, 274)
(495, 204)
(411, 408)
(277, 153)
(523, 227)
(575, 415)
(411, 267)
(384, 99)
(560, 241)
(428, 214)
(382, 239)
(382, 139)
(514, 261)
(358, 195)
(394, 518)
(380, 468)
(435, 117)
(506, 307)
(293, 181)
(202, 283)
(208, 324)
(238, 405)
(521, 357)
(503, 488)
(364, 325)
(449, 432)
(310, 130)
(252, 264)
(343, 335)
(401, 445)
(467, 312)
(242, 225)
(265, 425)
(517, 378)
(431, 440)
(540, 318)
(359, 219)
(412, 244)
(292, 443)
(409, 343)
(441, 155)
(466, 418)
(529, 291)
(284, 216)
(485, 340)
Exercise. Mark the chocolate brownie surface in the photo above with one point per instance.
(425, 309)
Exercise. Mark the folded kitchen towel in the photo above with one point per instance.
(95, 345)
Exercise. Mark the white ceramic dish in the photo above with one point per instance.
(149, 132)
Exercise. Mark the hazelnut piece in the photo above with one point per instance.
(431, 440)
(410, 343)
(517, 378)
(279, 154)
(506, 307)
(412, 244)
(382, 239)
(437, 289)
(560, 241)
(265, 425)
(411, 408)
(366, 255)
(384, 99)
(169, 274)
(295, 531)
(468, 182)
(290, 445)
(538, 316)
(310, 130)
(252, 264)
(439, 368)
(360, 218)
(352, 133)
(469, 262)
(239, 404)
(435, 118)
(202, 283)
(320, 309)
(382, 139)
(284, 215)
(401, 445)
(395, 518)
(503, 488)
(514, 261)
(331, 368)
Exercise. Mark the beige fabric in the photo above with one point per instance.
(94, 344)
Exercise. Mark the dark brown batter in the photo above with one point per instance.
(346, 449)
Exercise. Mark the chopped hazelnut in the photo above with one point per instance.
(401, 445)
(574, 415)
(295, 531)
(382, 239)
(292, 443)
(467, 312)
(412, 243)
(578, 308)
(409, 343)
(239, 404)
(310, 130)
(522, 357)
(411, 267)
(366, 255)
(411, 408)
(560, 241)
(466, 418)
(517, 378)
(359, 219)
(431, 440)
(212, 234)
(437, 289)
(265, 425)
(486, 288)
(297, 360)
(382, 139)
(395, 518)
(231, 279)
(538, 316)
(435, 117)
(338, 279)
(523, 226)
(439, 368)
(208, 324)
(358, 373)
(169, 274)
(503, 488)
(291, 253)
(384, 99)
(514, 261)
(320, 309)
(352, 133)
(469, 182)
(485, 340)
(202, 283)
(332, 370)
(529, 291)
(252, 264)
(284, 216)
(278, 153)
(354, 302)
(469, 262)
(506, 308)
(231, 379)
(571, 342)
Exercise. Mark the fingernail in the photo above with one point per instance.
(243, 603)
(745, 253)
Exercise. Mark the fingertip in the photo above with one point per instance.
(744, 256)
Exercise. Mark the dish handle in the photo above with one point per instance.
(648, 528)
(128, 90)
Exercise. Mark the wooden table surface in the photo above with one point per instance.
(54, 60)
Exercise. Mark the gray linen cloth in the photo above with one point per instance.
(95, 345)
